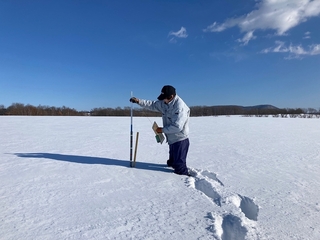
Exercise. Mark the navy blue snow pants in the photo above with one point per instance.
(178, 156)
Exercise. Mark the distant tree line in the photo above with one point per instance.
(239, 110)
(126, 111)
(29, 110)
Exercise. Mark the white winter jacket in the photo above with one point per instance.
(175, 117)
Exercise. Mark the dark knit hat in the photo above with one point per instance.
(166, 92)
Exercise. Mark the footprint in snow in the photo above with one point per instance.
(207, 183)
(233, 224)
(249, 208)
(204, 174)
(209, 190)
(232, 228)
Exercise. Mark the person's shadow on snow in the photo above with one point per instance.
(95, 160)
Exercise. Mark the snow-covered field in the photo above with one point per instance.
(69, 178)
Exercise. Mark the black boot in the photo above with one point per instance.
(169, 163)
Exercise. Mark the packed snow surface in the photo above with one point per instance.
(70, 178)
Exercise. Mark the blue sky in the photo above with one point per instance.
(86, 54)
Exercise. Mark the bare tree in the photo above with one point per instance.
(2, 110)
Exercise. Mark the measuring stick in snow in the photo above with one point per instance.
(131, 134)
(135, 150)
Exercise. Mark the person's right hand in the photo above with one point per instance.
(134, 100)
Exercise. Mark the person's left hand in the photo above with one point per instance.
(159, 130)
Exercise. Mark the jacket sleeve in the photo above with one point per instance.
(151, 105)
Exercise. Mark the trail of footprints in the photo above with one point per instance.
(236, 216)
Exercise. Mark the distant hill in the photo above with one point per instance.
(265, 106)
(263, 109)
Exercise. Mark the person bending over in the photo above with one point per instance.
(175, 118)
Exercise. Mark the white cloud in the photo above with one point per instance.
(182, 33)
(173, 40)
(278, 15)
(294, 51)
(307, 35)
(315, 49)
(246, 38)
